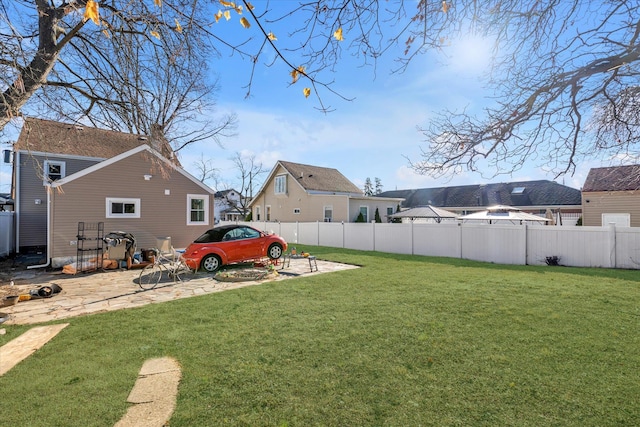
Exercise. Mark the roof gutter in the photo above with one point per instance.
(48, 232)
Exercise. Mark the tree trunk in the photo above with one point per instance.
(33, 76)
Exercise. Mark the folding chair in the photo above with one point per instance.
(165, 248)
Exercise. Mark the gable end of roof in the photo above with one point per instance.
(320, 179)
(614, 178)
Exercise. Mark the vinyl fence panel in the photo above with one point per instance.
(609, 246)
(308, 233)
(6, 233)
(359, 236)
(332, 234)
(289, 232)
(501, 244)
(392, 238)
(627, 248)
(441, 240)
(574, 246)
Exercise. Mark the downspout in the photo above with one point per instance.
(48, 232)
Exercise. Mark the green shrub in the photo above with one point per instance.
(377, 216)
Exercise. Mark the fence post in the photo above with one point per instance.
(612, 245)
(526, 244)
(373, 232)
(413, 238)
(460, 239)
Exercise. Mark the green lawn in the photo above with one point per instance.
(402, 341)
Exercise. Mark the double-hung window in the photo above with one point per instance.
(280, 184)
(197, 209)
(389, 212)
(328, 213)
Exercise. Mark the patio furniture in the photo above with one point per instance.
(286, 261)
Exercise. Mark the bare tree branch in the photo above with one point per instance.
(563, 78)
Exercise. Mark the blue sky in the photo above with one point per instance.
(371, 136)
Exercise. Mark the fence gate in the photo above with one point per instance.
(7, 234)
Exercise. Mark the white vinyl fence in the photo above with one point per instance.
(609, 246)
(6, 233)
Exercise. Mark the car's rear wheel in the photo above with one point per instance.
(275, 251)
(211, 263)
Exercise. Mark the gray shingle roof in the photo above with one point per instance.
(614, 178)
(316, 178)
(533, 193)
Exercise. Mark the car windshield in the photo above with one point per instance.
(241, 233)
(211, 236)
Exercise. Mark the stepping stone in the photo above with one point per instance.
(18, 349)
(154, 394)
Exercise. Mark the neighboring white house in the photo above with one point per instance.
(228, 206)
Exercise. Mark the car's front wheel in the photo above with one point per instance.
(211, 263)
(275, 251)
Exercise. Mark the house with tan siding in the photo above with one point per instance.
(65, 174)
(295, 192)
(612, 195)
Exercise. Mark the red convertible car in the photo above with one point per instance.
(228, 244)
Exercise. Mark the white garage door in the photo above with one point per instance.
(620, 219)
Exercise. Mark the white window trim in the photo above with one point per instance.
(204, 197)
(45, 170)
(324, 211)
(276, 188)
(135, 202)
(257, 218)
(267, 213)
(367, 209)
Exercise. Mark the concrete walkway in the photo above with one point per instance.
(88, 293)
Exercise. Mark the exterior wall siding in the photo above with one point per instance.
(32, 218)
(163, 205)
(310, 206)
(372, 205)
(610, 202)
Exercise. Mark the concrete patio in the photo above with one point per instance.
(88, 293)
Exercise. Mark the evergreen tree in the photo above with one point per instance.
(378, 186)
(377, 216)
(360, 218)
(368, 187)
